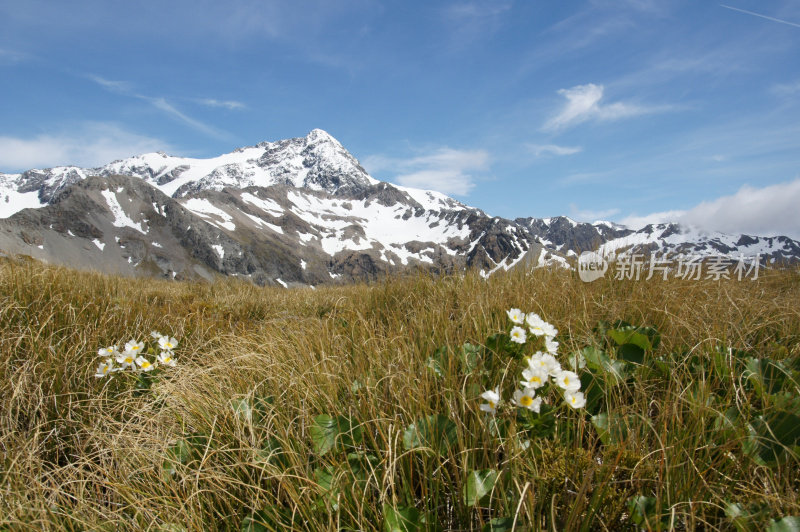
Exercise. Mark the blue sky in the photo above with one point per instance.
(633, 111)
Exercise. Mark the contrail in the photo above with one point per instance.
(762, 16)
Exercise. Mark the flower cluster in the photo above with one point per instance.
(542, 367)
(133, 357)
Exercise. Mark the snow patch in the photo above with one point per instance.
(99, 244)
(208, 211)
(120, 218)
(11, 202)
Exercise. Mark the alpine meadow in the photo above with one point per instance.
(392, 405)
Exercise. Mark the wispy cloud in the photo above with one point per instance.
(544, 150)
(591, 215)
(12, 56)
(468, 22)
(786, 89)
(584, 104)
(773, 19)
(87, 145)
(125, 88)
(227, 104)
(120, 87)
(445, 170)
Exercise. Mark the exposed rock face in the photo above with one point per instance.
(297, 211)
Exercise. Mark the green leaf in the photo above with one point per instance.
(469, 356)
(772, 437)
(272, 452)
(496, 342)
(613, 371)
(272, 518)
(499, 524)
(182, 451)
(612, 428)
(541, 425)
(478, 486)
(646, 338)
(262, 407)
(643, 511)
(767, 376)
(726, 424)
(435, 432)
(787, 524)
(593, 391)
(243, 409)
(407, 519)
(631, 352)
(435, 366)
(327, 432)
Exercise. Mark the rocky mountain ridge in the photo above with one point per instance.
(297, 212)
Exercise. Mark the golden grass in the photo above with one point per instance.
(81, 453)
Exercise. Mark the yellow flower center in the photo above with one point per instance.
(168, 345)
(574, 399)
(129, 360)
(526, 400)
(491, 404)
(146, 364)
(566, 381)
(105, 370)
(134, 348)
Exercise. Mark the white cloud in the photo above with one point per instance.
(583, 103)
(445, 170)
(786, 89)
(470, 21)
(543, 150)
(11, 56)
(92, 144)
(767, 211)
(589, 215)
(228, 104)
(635, 221)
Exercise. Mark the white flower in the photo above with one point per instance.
(545, 362)
(110, 351)
(155, 334)
(551, 345)
(493, 399)
(126, 359)
(569, 381)
(144, 364)
(534, 377)
(166, 358)
(526, 399)
(575, 399)
(104, 368)
(165, 342)
(518, 335)
(516, 315)
(539, 327)
(133, 347)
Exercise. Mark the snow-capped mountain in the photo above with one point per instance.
(299, 211)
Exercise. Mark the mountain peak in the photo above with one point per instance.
(320, 135)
